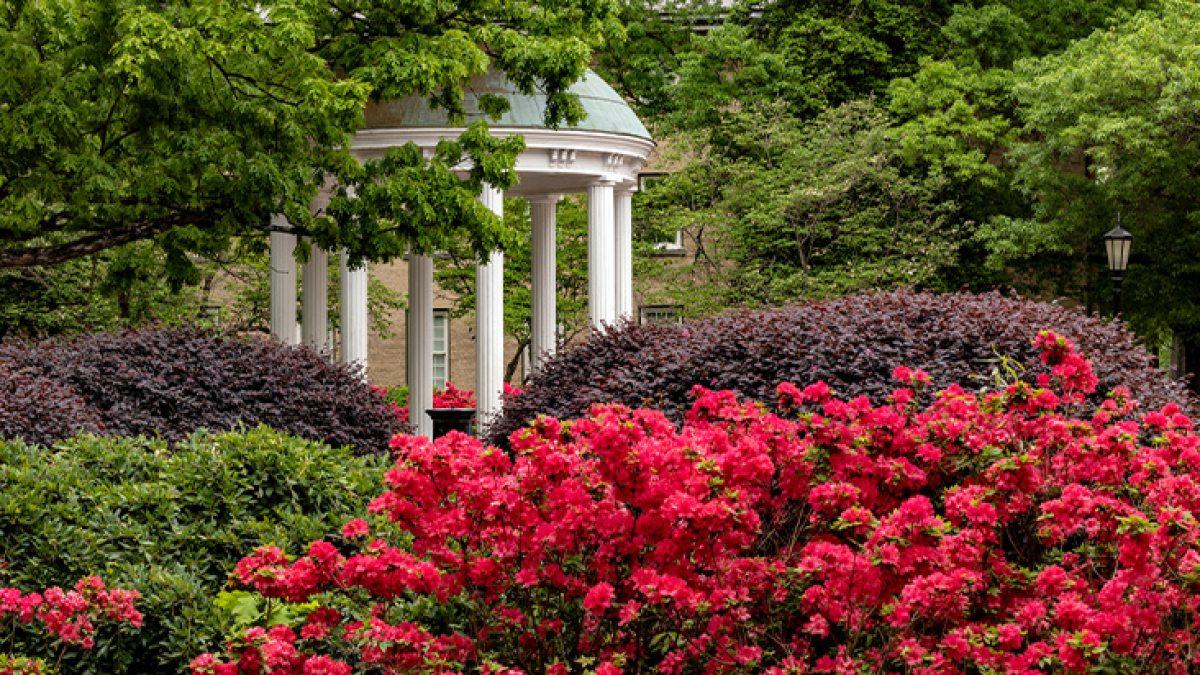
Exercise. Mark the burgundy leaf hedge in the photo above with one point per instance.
(41, 410)
(170, 382)
(851, 343)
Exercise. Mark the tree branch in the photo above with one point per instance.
(511, 368)
(54, 254)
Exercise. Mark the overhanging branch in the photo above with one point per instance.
(54, 254)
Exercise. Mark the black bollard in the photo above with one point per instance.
(446, 420)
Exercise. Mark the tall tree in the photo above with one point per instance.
(768, 169)
(188, 123)
(958, 116)
(642, 65)
(119, 287)
(811, 54)
(1111, 128)
(812, 208)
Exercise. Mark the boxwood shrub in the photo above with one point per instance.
(171, 524)
(170, 382)
(852, 343)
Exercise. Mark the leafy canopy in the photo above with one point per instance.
(993, 120)
(190, 123)
(808, 208)
(1119, 109)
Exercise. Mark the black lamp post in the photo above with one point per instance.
(1116, 244)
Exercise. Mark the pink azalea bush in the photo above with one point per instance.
(69, 616)
(1010, 531)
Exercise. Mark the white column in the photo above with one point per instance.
(352, 302)
(623, 215)
(602, 287)
(314, 309)
(489, 323)
(420, 343)
(544, 336)
(283, 283)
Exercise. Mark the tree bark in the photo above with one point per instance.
(511, 369)
(1191, 361)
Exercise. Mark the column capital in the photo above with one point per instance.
(543, 199)
(625, 188)
(604, 181)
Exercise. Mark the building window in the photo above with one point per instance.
(661, 314)
(671, 246)
(211, 313)
(674, 245)
(441, 348)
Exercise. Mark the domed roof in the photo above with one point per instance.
(606, 111)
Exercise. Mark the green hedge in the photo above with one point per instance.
(170, 524)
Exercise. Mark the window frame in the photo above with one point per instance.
(669, 247)
(676, 314)
(444, 315)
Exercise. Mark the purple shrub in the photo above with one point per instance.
(169, 382)
(852, 343)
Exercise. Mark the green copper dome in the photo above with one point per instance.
(606, 111)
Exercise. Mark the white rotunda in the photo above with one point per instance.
(601, 155)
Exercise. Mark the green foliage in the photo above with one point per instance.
(958, 114)
(1111, 127)
(190, 123)
(1054, 25)
(171, 525)
(396, 395)
(245, 609)
(726, 66)
(994, 35)
(992, 116)
(109, 290)
(641, 66)
(817, 208)
(956, 117)
(833, 213)
(811, 54)
(776, 198)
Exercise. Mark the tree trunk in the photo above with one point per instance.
(123, 305)
(511, 369)
(1191, 361)
(1178, 365)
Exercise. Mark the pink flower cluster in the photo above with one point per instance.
(271, 650)
(68, 615)
(453, 397)
(948, 532)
